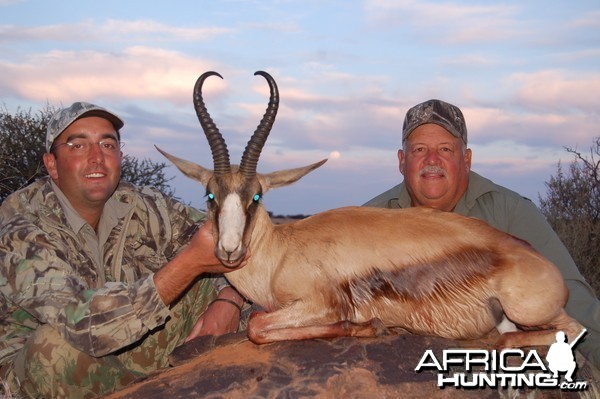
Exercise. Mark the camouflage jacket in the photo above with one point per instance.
(47, 278)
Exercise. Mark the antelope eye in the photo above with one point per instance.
(256, 197)
(211, 196)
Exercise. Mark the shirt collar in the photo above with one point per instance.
(478, 186)
(112, 212)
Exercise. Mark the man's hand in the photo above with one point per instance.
(201, 250)
(195, 259)
(221, 317)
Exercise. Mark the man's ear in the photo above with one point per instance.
(401, 160)
(468, 155)
(50, 164)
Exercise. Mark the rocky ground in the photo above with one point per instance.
(232, 367)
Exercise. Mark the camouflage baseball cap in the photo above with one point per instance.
(63, 118)
(439, 112)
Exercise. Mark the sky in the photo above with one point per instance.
(526, 75)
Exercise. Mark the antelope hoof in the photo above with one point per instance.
(380, 329)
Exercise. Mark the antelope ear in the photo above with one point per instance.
(288, 176)
(190, 169)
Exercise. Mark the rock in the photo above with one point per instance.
(230, 366)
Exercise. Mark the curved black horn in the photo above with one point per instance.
(258, 139)
(217, 144)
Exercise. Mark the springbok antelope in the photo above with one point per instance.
(354, 271)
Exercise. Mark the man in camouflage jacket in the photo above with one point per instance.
(100, 280)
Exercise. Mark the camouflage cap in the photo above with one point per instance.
(439, 112)
(63, 118)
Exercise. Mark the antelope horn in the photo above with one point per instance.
(258, 139)
(217, 144)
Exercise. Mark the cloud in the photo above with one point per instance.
(10, 2)
(540, 108)
(112, 30)
(446, 22)
(280, 27)
(470, 61)
(150, 31)
(508, 156)
(557, 89)
(535, 128)
(589, 20)
(140, 73)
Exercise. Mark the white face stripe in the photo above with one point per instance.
(232, 220)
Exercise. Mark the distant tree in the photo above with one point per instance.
(22, 144)
(22, 137)
(146, 173)
(572, 207)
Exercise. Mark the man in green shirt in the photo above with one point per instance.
(436, 165)
(100, 280)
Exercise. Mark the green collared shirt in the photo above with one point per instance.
(510, 212)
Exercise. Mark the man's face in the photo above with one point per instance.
(87, 177)
(435, 165)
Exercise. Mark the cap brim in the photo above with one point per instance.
(114, 119)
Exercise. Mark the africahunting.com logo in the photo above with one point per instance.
(509, 368)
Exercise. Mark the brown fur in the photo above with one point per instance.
(429, 272)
